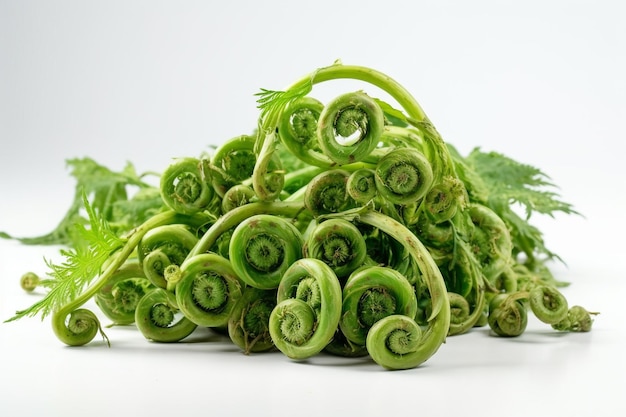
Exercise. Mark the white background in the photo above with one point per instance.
(145, 81)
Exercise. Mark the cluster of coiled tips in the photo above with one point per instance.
(340, 227)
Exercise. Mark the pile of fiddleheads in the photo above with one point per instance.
(348, 227)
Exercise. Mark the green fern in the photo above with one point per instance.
(505, 183)
(108, 192)
(80, 266)
(272, 101)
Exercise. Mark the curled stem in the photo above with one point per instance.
(443, 199)
(232, 163)
(236, 216)
(548, 304)
(261, 249)
(268, 177)
(248, 325)
(186, 186)
(371, 294)
(163, 246)
(578, 319)
(76, 327)
(237, 196)
(394, 340)
(208, 290)
(59, 324)
(327, 192)
(156, 318)
(361, 185)
(438, 321)
(29, 281)
(403, 176)
(307, 312)
(119, 297)
(339, 244)
(459, 309)
(350, 127)
(298, 131)
(435, 235)
(507, 315)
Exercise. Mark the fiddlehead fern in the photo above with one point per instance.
(327, 192)
(118, 298)
(186, 186)
(408, 340)
(237, 196)
(548, 304)
(232, 163)
(403, 176)
(393, 341)
(350, 127)
(339, 244)
(361, 185)
(435, 235)
(158, 319)
(262, 247)
(443, 199)
(578, 319)
(248, 325)
(508, 315)
(163, 246)
(307, 314)
(459, 309)
(298, 131)
(208, 289)
(434, 146)
(371, 294)
(77, 327)
(29, 281)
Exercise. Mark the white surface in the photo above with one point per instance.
(144, 81)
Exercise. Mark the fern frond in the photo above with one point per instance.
(270, 101)
(80, 266)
